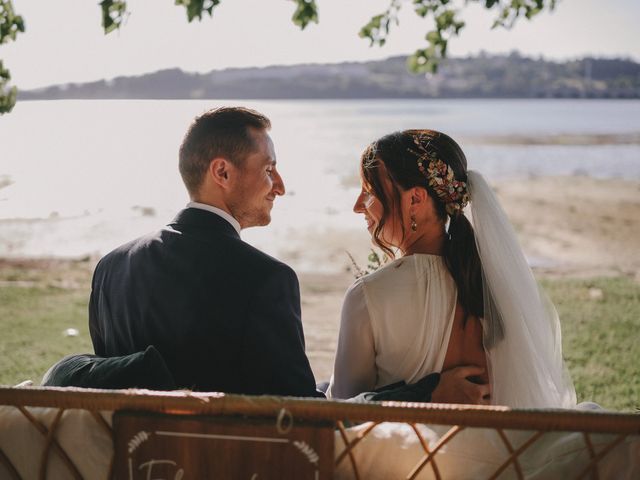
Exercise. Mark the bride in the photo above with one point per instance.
(458, 293)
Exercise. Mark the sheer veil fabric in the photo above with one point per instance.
(521, 328)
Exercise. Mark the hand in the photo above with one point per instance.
(455, 387)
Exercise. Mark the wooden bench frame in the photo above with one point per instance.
(341, 413)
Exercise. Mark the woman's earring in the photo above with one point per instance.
(414, 225)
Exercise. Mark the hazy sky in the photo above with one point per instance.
(64, 40)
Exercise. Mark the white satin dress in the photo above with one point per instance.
(395, 325)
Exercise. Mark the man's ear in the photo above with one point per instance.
(220, 171)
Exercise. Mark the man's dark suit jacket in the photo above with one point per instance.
(223, 315)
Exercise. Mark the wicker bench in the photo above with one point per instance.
(81, 433)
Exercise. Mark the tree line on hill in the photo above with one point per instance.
(479, 76)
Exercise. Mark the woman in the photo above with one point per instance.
(456, 295)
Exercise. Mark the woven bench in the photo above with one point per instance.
(103, 434)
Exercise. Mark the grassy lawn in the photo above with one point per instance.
(600, 319)
(601, 338)
(46, 300)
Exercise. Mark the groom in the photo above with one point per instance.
(224, 316)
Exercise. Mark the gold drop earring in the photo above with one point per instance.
(412, 215)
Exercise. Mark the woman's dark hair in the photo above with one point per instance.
(397, 152)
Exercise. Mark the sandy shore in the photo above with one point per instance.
(574, 226)
(577, 225)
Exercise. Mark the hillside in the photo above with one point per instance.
(482, 76)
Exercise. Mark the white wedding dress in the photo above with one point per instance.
(396, 324)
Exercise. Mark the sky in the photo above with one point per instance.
(64, 41)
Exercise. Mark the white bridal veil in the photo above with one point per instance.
(521, 327)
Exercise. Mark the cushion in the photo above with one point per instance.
(144, 369)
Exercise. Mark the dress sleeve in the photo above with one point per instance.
(354, 370)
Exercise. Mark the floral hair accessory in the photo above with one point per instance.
(453, 193)
(369, 155)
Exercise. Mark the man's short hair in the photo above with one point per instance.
(221, 132)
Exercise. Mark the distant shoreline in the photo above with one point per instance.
(23, 97)
(483, 76)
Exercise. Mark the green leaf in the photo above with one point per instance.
(10, 23)
(5, 75)
(433, 36)
(198, 8)
(443, 48)
(445, 19)
(422, 10)
(113, 13)
(306, 12)
(377, 29)
(7, 100)
(424, 60)
(376, 21)
(532, 12)
(7, 94)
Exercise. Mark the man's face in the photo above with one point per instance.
(257, 184)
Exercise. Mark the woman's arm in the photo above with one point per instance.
(354, 369)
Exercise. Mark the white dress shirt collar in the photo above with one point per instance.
(218, 211)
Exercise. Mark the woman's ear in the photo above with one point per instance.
(418, 196)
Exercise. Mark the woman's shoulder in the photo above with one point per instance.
(408, 267)
(388, 270)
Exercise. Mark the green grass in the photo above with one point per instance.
(32, 321)
(600, 330)
(601, 338)
(47, 299)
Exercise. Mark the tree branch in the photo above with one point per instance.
(443, 14)
(10, 25)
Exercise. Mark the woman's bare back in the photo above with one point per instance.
(465, 345)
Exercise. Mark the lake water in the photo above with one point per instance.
(81, 177)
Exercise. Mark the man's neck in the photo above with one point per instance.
(221, 212)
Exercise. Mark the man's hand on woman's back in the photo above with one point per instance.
(455, 386)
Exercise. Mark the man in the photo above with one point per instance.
(224, 315)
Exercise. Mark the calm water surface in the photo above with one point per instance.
(81, 177)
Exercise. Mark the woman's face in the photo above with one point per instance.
(371, 207)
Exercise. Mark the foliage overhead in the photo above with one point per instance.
(446, 24)
(10, 25)
(444, 16)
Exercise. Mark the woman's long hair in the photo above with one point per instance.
(397, 152)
